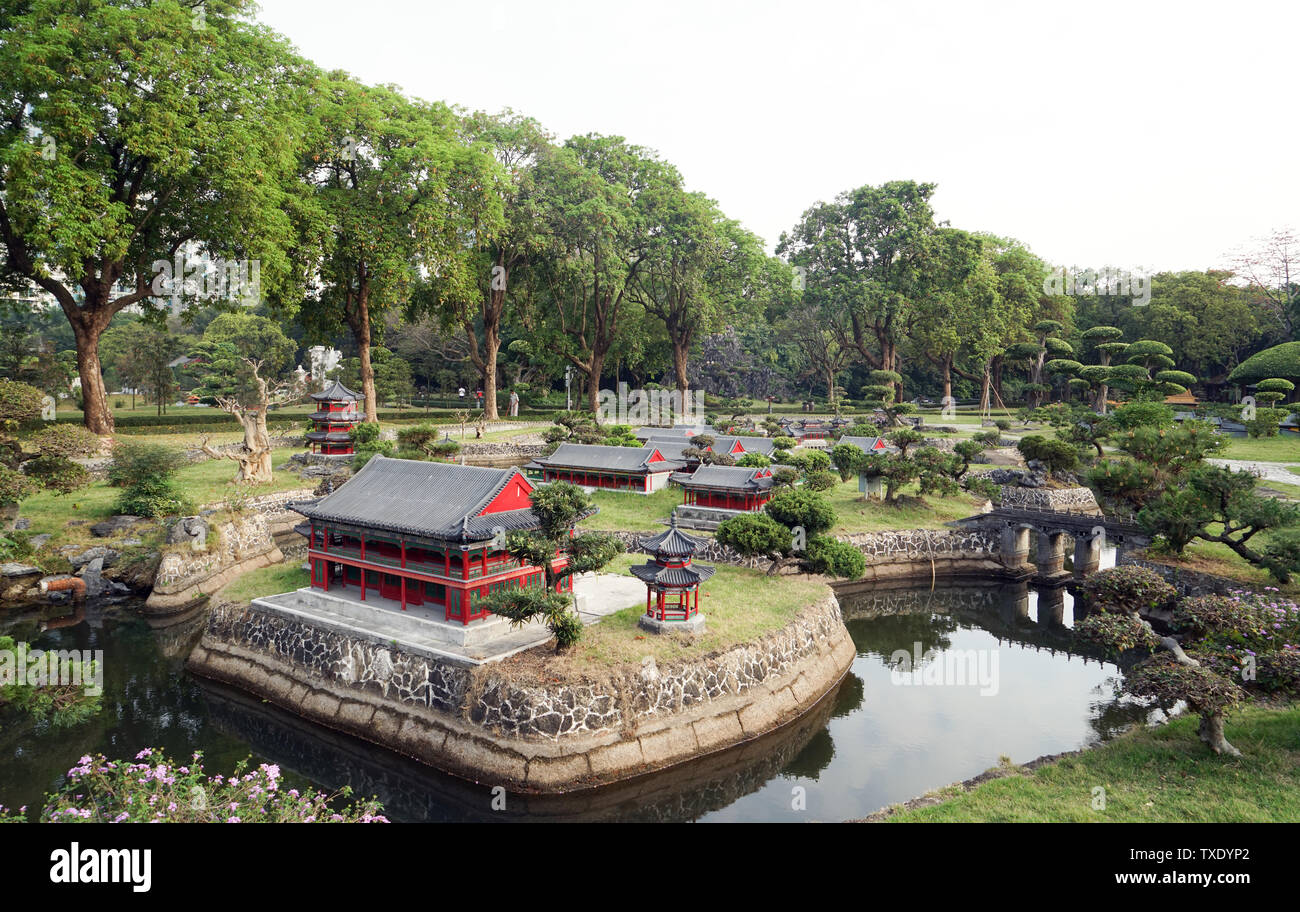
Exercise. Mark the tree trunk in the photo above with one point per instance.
(97, 416)
(491, 346)
(255, 461)
(359, 322)
(597, 364)
(985, 386)
(1211, 732)
(681, 348)
(946, 368)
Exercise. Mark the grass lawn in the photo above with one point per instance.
(1285, 448)
(1163, 774)
(277, 578)
(633, 512)
(739, 604)
(203, 482)
(857, 515)
(647, 513)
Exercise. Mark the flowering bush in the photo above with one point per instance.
(1122, 590)
(155, 789)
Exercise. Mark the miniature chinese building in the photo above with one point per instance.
(672, 598)
(727, 487)
(869, 483)
(422, 533)
(638, 470)
(336, 414)
(676, 430)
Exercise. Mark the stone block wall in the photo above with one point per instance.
(1078, 499)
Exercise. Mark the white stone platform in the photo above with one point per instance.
(424, 629)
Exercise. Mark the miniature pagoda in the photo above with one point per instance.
(672, 600)
(405, 533)
(335, 416)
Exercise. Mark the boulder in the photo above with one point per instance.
(110, 527)
(93, 575)
(187, 529)
(14, 570)
(102, 553)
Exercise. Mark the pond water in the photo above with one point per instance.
(884, 736)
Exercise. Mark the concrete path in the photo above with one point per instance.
(1267, 471)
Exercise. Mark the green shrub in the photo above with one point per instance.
(835, 558)
(821, 481)
(133, 461)
(1057, 455)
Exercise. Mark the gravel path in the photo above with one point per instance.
(1268, 471)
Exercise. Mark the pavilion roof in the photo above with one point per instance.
(867, 444)
(335, 392)
(676, 430)
(672, 542)
(653, 574)
(436, 500)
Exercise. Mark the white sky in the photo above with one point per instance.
(1147, 135)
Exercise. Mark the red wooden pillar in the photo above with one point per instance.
(363, 546)
(647, 600)
(403, 575)
(363, 584)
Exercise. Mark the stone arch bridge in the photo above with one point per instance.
(1087, 532)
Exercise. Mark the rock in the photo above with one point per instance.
(93, 574)
(39, 541)
(131, 543)
(21, 525)
(13, 570)
(102, 553)
(110, 527)
(187, 529)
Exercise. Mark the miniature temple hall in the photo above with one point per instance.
(422, 533)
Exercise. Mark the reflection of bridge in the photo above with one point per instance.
(1002, 610)
(1090, 532)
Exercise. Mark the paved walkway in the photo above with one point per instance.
(1267, 471)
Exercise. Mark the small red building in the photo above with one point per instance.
(727, 487)
(336, 414)
(423, 533)
(672, 581)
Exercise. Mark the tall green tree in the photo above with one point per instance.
(131, 132)
(400, 194)
(862, 259)
(592, 194)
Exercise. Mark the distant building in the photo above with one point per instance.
(638, 470)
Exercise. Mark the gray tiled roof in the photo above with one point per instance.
(430, 499)
(867, 444)
(652, 573)
(736, 478)
(764, 445)
(672, 542)
(676, 430)
(607, 458)
(335, 390)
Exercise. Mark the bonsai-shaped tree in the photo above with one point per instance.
(1105, 341)
(792, 528)
(879, 394)
(1216, 504)
(254, 455)
(1267, 418)
(571, 427)
(1218, 648)
(1034, 356)
(1155, 458)
(558, 507)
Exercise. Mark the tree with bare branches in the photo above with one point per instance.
(254, 455)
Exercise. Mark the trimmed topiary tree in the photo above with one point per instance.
(1216, 651)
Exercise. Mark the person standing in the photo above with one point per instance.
(461, 392)
(514, 404)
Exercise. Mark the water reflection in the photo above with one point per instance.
(868, 744)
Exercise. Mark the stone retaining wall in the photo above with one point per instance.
(890, 554)
(530, 735)
(186, 576)
(1076, 499)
